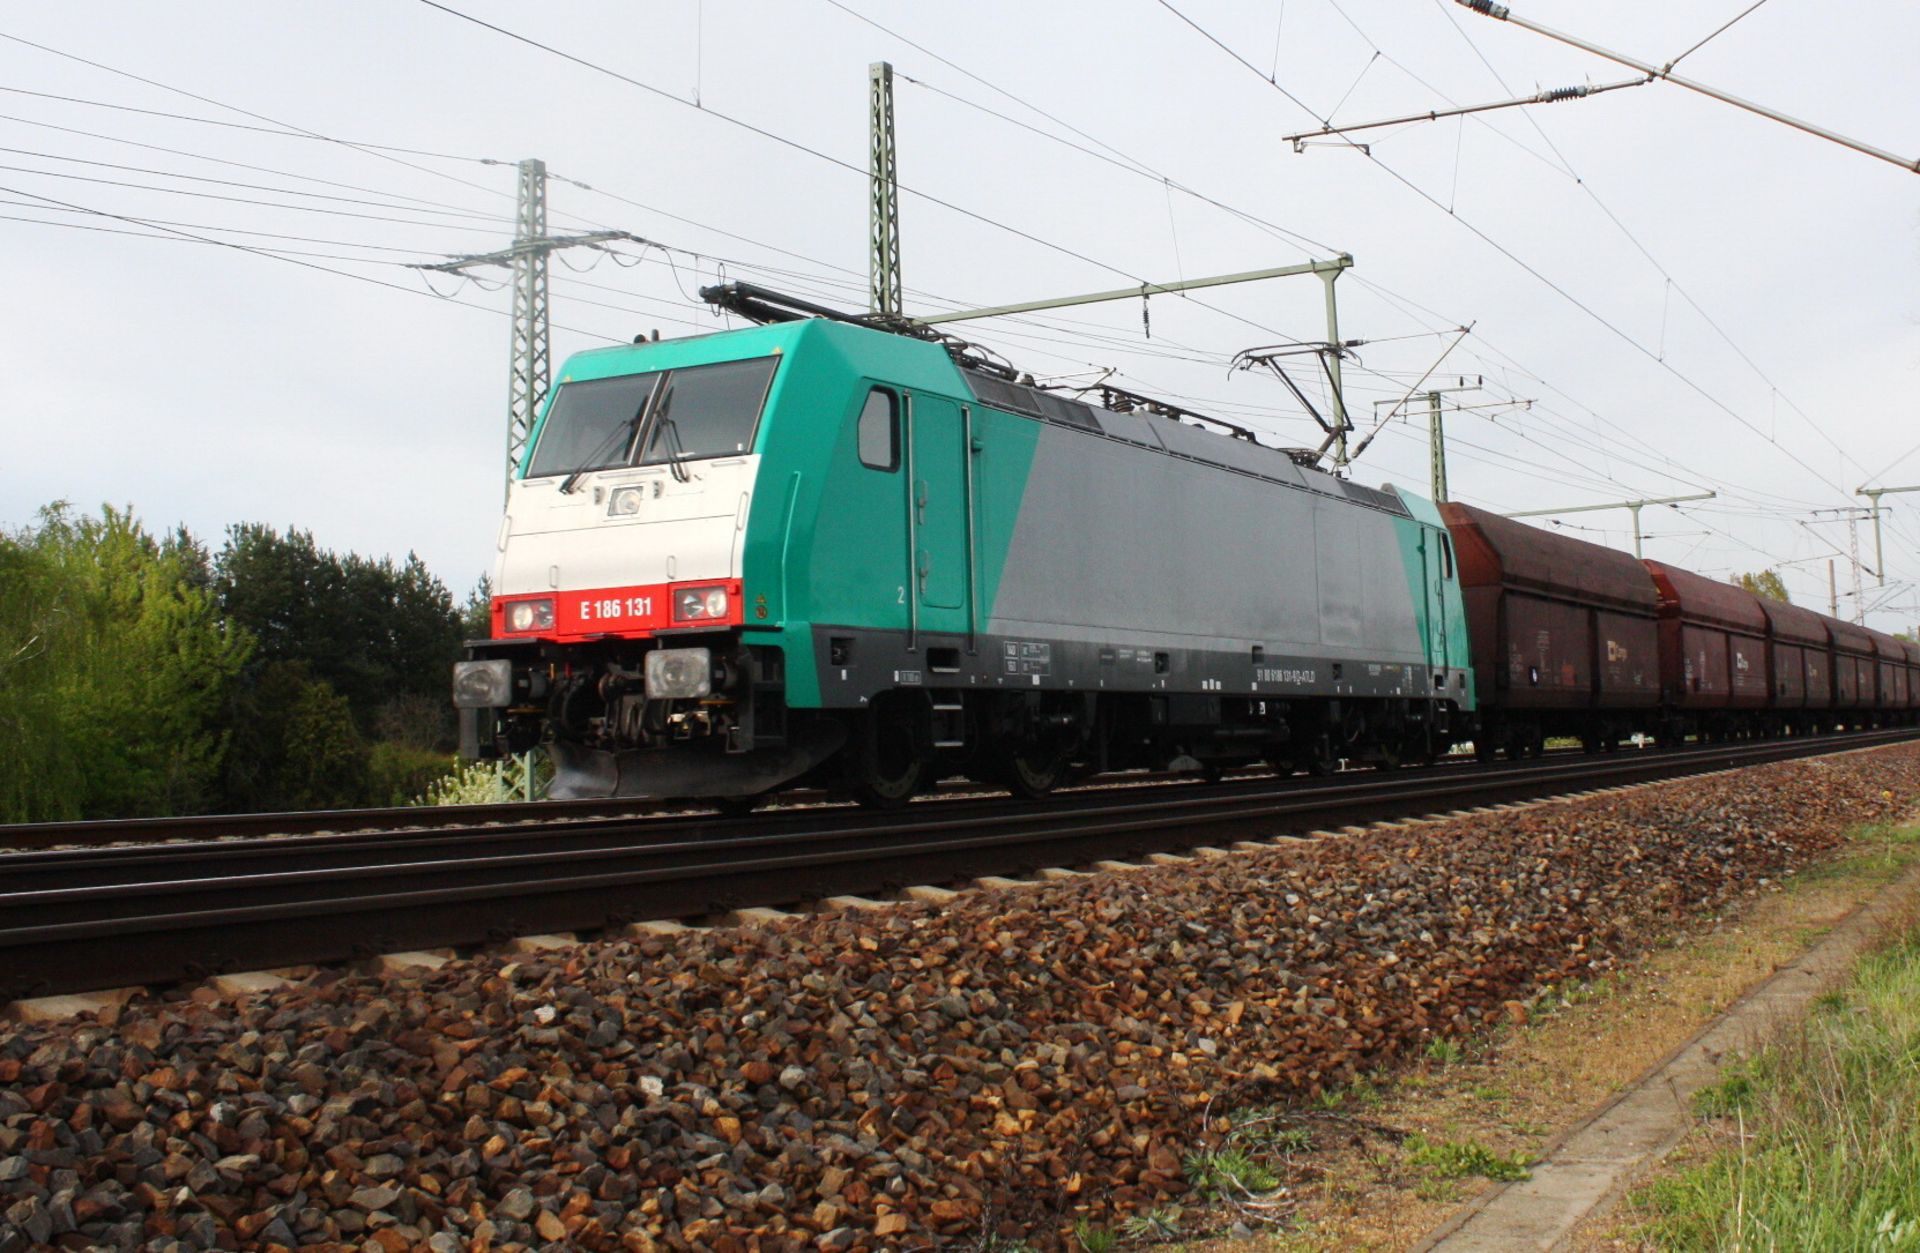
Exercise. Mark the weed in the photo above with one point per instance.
(1224, 1173)
(1444, 1051)
(1734, 1094)
(1159, 1224)
(991, 1243)
(1291, 1139)
(1490, 1093)
(1437, 1189)
(1092, 1239)
(1456, 1159)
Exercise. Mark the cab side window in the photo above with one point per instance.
(880, 430)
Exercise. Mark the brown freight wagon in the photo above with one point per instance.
(1713, 652)
(1564, 633)
(1799, 657)
(1853, 669)
(1913, 674)
(1890, 671)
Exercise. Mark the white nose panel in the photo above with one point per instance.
(646, 526)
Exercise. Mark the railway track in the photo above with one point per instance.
(93, 833)
(109, 917)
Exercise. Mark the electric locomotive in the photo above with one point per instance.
(816, 551)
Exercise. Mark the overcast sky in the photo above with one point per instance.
(1715, 302)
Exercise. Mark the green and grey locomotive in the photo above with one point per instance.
(820, 552)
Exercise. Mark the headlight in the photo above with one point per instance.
(625, 502)
(482, 684)
(679, 673)
(698, 604)
(530, 615)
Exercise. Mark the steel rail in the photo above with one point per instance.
(114, 917)
(91, 832)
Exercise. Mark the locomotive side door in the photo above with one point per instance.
(1439, 568)
(937, 507)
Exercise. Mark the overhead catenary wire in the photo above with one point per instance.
(372, 151)
(282, 131)
(242, 165)
(1671, 283)
(274, 256)
(440, 210)
(1553, 285)
(798, 146)
(1132, 164)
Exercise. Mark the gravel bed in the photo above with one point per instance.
(877, 1080)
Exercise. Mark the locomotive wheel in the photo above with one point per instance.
(1032, 771)
(884, 764)
(1316, 759)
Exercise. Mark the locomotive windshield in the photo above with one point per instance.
(591, 424)
(678, 415)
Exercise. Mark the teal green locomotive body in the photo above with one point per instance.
(817, 551)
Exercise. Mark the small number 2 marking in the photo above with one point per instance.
(901, 597)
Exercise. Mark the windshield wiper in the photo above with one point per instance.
(678, 454)
(592, 460)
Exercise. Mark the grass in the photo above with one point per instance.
(1092, 1239)
(1456, 1159)
(1819, 1144)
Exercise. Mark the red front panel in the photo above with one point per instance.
(617, 612)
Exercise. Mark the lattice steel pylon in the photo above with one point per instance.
(884, 288)
(531, 368)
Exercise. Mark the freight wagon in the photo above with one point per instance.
(1575, 639)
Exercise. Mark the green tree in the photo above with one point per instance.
(372, 631)
(1767, 583)
(297, 746)
(115, 669)
(476, 616)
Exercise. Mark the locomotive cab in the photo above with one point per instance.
(617, 588)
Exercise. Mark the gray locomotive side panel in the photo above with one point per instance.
(1118, 545)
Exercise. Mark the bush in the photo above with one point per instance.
(398, 773)
(489, 782)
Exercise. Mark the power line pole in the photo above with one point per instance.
(1342, 424)
(1833, 591)
(531, 367)
(1853, 554)
(883, 285)
(1436, 428)
(1635, 506)
(1851, 515)
(1873, 495)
